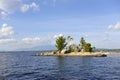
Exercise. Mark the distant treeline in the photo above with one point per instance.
(108, 50)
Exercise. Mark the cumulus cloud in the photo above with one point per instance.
(12, 5)
(34, 6)
(9, 6)
(6, 31)
(26, 7)
(114, 27)
(8, 39)
(6, 35)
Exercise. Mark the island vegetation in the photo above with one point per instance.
(64, 47)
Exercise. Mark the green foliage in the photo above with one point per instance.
(83, 42)
(73, 48)
(60, 43)
(87, 47)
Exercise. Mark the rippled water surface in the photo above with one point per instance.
(24, 66)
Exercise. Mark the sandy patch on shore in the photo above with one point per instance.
(94, 54)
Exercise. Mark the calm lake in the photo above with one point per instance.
(24, 66)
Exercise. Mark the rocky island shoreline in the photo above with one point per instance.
(83, 54)
(65, 48)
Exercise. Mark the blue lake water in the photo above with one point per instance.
(24, 66)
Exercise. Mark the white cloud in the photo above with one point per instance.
(59, 35)
(6, 31)
(31, 42)
(10, 6)
(28, 40)
(114, 27)
(34, 6)
(4, 15)
(24, 43)
(4, 41)
(26, 7)
(6, 34)
(8, 39)
(34, 40)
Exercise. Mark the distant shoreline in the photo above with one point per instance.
(97, 49)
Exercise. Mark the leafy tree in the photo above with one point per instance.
(60, 43)
(87, 47)
(83, 42)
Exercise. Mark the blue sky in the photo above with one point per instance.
(32, 24)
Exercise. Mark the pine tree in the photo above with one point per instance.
(60, 43)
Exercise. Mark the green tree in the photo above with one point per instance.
(60, 43)
(82, 42)
(87, 47)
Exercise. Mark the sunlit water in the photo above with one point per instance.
(24, 66)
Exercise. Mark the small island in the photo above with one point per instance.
(65, 48)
